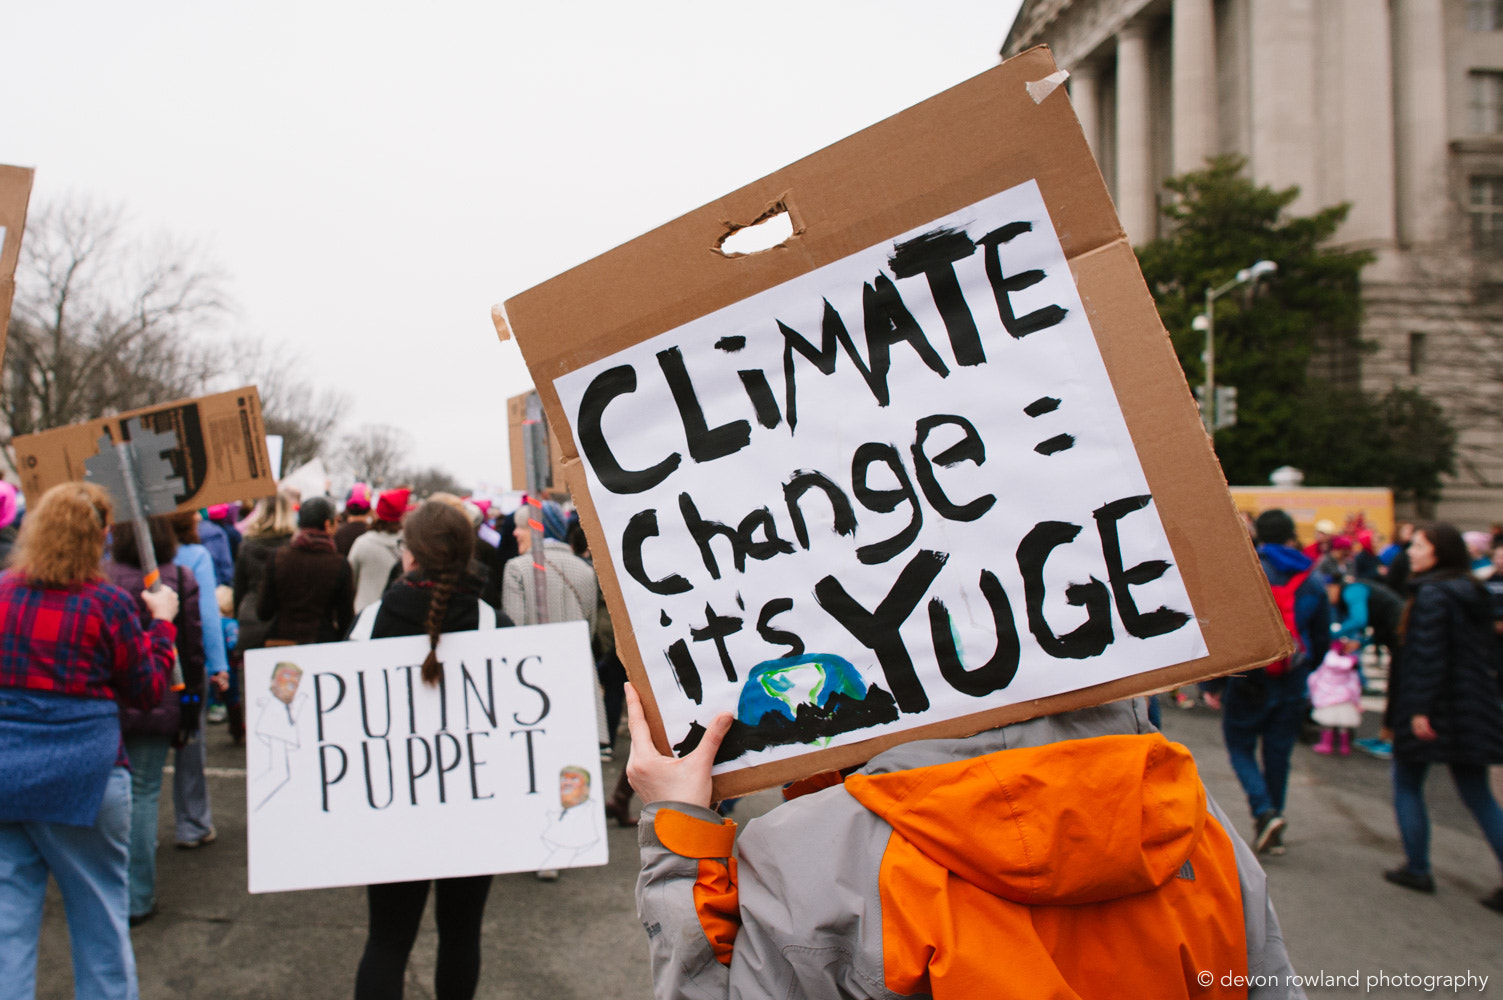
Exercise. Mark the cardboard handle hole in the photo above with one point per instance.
(772, 230)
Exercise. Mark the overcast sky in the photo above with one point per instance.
(373, 177)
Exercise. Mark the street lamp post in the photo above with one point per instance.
(1206, 322)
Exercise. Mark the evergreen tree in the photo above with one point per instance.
(1266, 338)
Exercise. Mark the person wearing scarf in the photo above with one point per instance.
(308, 593)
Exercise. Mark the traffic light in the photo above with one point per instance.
(1226, 406)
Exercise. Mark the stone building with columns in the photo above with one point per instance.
(1395, 106)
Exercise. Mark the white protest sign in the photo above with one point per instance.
(894, 490)
(357, 772)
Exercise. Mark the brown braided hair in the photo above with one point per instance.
(441, 542)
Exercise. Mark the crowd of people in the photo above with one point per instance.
(1430, 604)
(103, 676)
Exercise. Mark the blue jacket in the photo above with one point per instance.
(1312, 608)
(197, 560)
(217, 542)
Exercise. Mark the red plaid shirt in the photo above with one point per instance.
(85, 640)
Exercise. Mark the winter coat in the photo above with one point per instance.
(404, 608)
(346, 534)
(307, 594)
(1447, 670)
(1073, 855)
(1312, 608)
(250, 569)
(372, 558)
(1335, 681)
(573, 591)
(162, 720)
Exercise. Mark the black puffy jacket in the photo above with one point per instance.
(1447, 670)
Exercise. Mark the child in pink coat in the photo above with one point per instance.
(1336, 694)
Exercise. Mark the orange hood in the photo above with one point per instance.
(1080, 821)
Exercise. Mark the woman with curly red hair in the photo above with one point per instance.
(72, 649)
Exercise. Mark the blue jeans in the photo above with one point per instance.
(147, 755)
(1414, 823)
(1264, 708)
(89, 864)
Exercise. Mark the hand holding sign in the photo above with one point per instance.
(658, 777)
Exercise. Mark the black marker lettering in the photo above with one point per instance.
(996, 673)
(685, 672)
(889, 322)
(885, 501)
(878, 630)
(803, 481)
(772, 544)
(969, 448)
(763, 401)
(704, 531)
(1138, 624)
(833, 333)
(716, 628)
(705, 443)
(1096, 633)
(933, 254)
(606, 386)
(1003, 286)
(778, 636)
(642, 526)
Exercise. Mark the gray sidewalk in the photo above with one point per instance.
(579, 937)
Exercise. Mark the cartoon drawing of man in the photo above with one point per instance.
(276, 729)
(574, 828)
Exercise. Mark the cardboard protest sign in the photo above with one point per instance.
(219, 453)
(516, 419)
(357, 772)
(900, 477)
(15, 194)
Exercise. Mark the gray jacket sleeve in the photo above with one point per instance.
(683, 961)
(1267, 958)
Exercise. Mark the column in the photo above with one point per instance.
(1419, 57)
(1285, 143)
(1084, 97)
(1194, 58)
(1365, 118)
(1135, 181)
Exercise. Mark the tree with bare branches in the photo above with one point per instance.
(304, 414)
(103, 322)
(375, 454)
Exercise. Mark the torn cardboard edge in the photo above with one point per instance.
(498, 319)
(869, 188)
(782, 207)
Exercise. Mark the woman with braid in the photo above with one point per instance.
(433, 596)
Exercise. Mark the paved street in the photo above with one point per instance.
(579, 937)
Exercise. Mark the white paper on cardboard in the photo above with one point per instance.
(894, 490)
(357, 772)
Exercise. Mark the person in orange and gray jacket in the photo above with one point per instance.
(1069, 856)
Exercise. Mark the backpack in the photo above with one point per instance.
(1285, 595)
